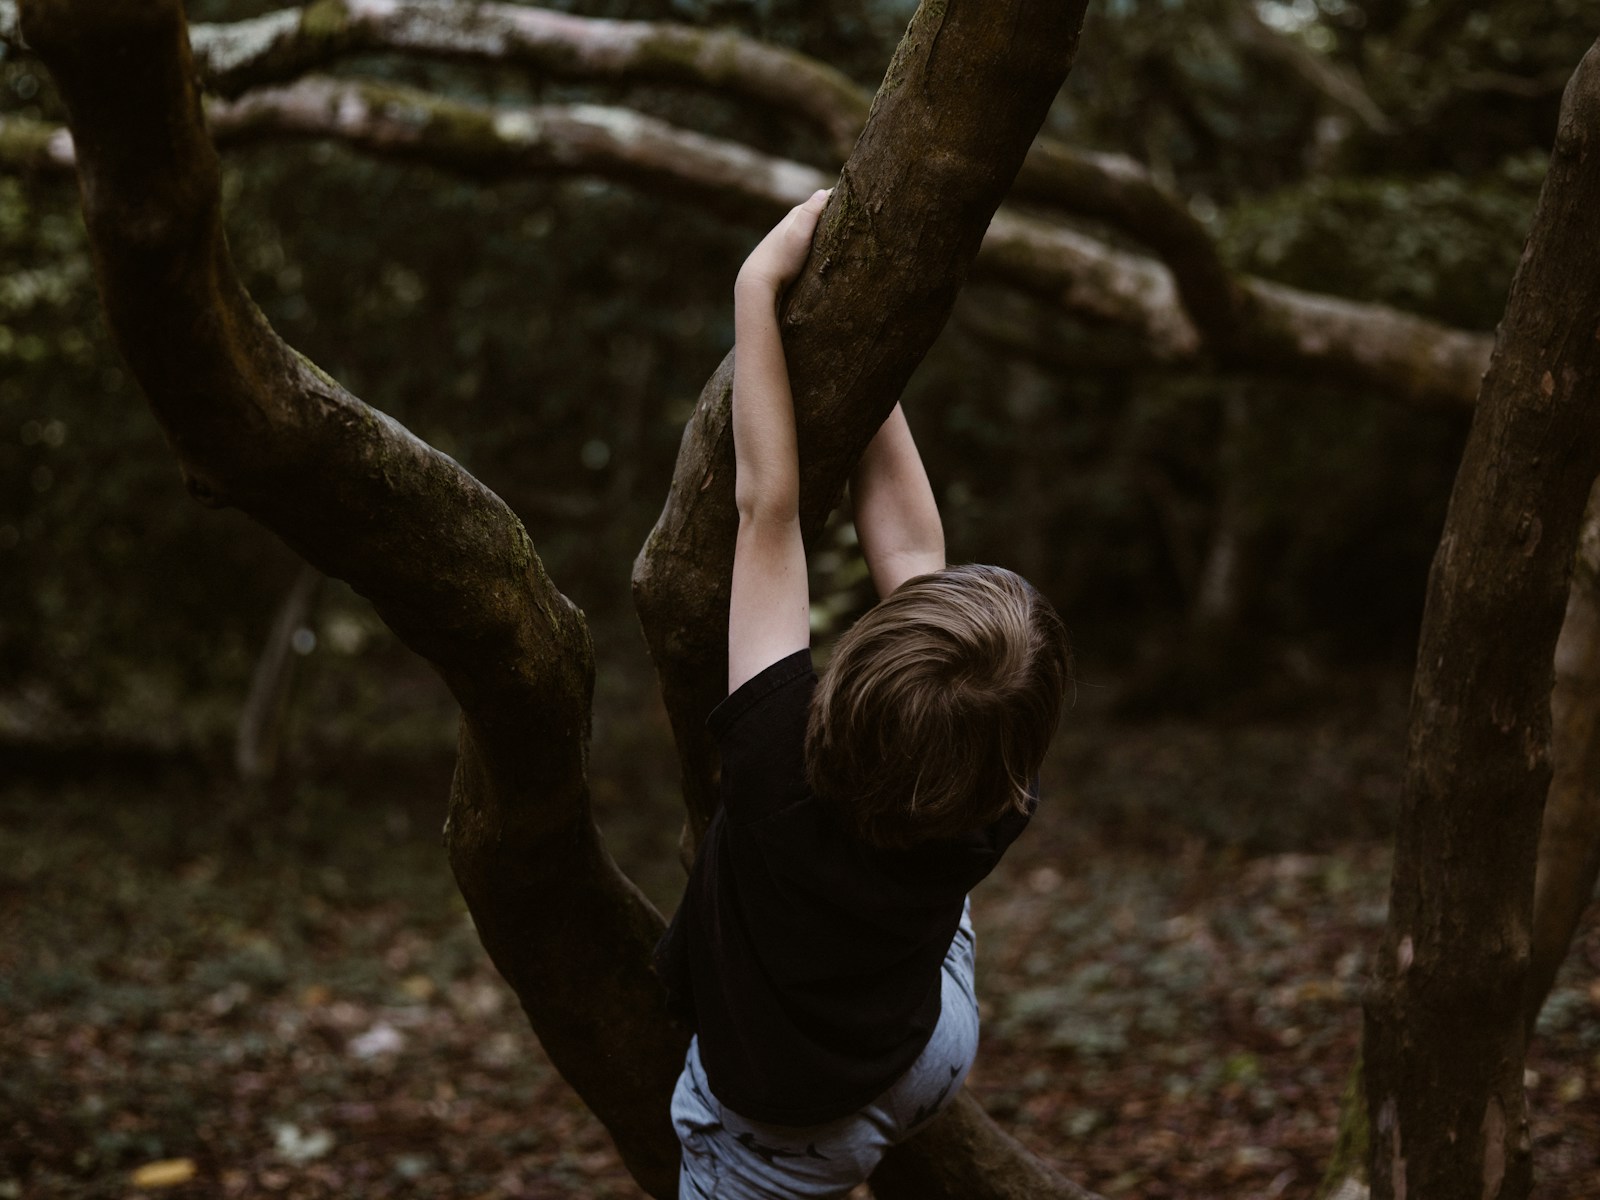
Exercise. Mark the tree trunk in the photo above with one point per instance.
(1444, 1039)
(1569, 839)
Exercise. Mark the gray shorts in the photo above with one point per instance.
(726, 1157)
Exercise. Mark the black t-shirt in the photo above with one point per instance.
(808, 960)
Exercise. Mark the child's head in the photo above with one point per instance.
(936, 708)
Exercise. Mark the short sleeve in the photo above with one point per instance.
(760, 731)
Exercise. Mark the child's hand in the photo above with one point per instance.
(777, 260)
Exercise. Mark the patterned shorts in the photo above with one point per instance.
(726, 1157)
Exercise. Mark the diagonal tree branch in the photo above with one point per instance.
(442, 558)
(893, 247)
(967, 88)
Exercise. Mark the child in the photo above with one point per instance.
(823, 949)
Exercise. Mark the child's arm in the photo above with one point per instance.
(897, 519)
(769, 614)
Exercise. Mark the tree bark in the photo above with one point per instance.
(963, 1154)
(442, 559)
(1444, 1039)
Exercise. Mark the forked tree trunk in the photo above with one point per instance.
(446, 563)
(1444, 1041)
(443, 560)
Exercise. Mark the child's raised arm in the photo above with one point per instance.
(896, 516)
(769, 612)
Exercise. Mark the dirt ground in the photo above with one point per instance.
(207, 995)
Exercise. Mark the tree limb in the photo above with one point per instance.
(442, 559)
(1338, 85)
(1277, 327)
(892, 248)
(1109, 188)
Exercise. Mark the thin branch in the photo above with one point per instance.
(1334, 83)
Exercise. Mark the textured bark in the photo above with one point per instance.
(1444, 1039)
(442, 559)
(959, 105)
(1569, 838)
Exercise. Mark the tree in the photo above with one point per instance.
(1446, 1025)
(496, 607)
(451, 570)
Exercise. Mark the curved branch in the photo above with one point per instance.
(281, 45)
(614, 143)
(441, 557)
(1109, 188)
(1121, 193)
(1280, 328)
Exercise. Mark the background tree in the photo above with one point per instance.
(1446, 1028)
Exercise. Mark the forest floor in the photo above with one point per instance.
(209, 994)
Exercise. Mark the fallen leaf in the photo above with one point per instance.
(167, 1172)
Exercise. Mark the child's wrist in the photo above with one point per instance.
(753, 286)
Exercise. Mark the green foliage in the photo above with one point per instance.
(1444, 246)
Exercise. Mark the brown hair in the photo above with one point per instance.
(936, 708)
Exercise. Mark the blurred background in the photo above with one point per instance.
(221, 777)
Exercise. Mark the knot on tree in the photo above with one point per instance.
(207, 491)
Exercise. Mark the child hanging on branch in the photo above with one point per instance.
(823, 951)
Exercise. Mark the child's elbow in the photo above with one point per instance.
(766, 504)
(770, 501)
